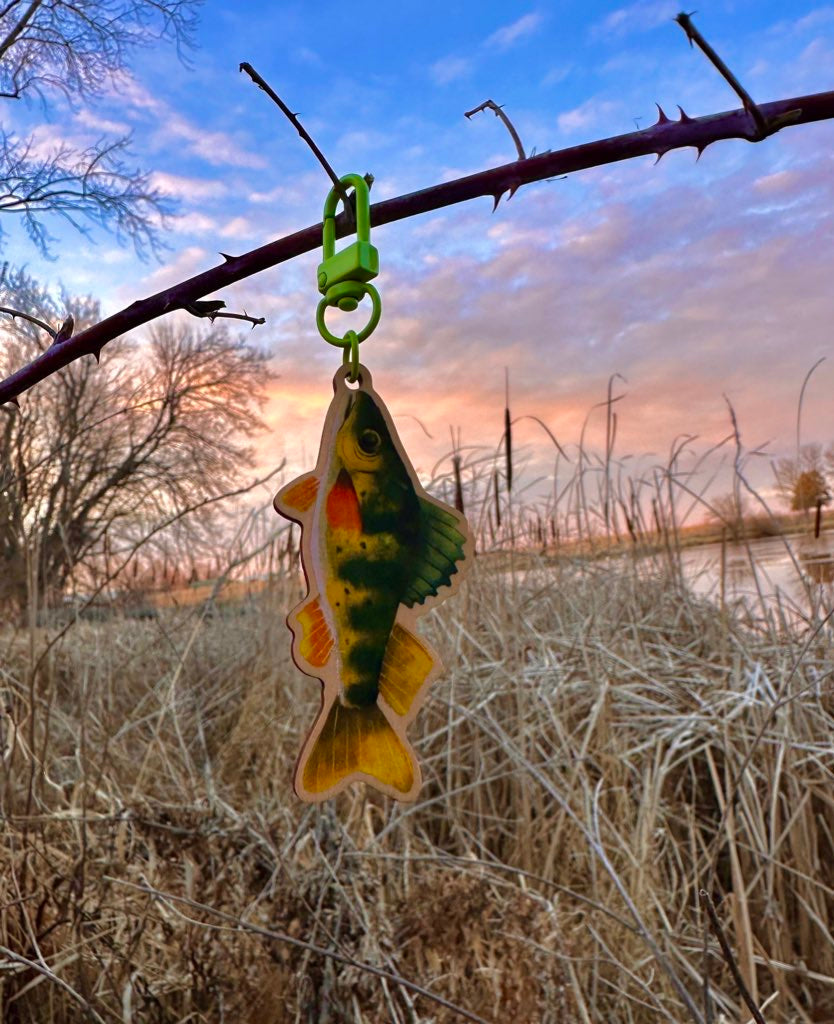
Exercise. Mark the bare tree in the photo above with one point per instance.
(102, 455)
(729, 510)
(802, 481)
(58, 51)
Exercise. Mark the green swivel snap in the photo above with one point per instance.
(343, 277)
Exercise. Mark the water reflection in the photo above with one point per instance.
(795, 569)
(817, 564)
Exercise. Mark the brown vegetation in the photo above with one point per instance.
(601, 747)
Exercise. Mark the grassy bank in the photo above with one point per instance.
(601, 747)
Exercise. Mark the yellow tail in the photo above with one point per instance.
(356, 744)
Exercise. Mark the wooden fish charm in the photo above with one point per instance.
(377, 551)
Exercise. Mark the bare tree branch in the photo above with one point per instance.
(94, 185)
(75, 47)
(730, 960)
(659, 139)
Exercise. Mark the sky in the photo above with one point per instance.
(697, 282)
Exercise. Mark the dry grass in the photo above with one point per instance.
(601, 747)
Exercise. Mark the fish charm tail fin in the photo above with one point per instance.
(352, 743)
(409, 665)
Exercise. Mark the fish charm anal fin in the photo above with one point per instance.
(407, 667)
(378, 551)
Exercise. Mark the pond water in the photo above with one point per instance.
(795, 570)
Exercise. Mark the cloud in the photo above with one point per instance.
(689, 292)
(188, 262)
(88, 119)
(509, 35)
(450, 69)
(304, 55)
(556, 75)
(194, 223)
(238, 227)
(641, 16)
(187, 188)
(780, 181)
(217, 148)
(586, 114)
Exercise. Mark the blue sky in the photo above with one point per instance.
(692, 280)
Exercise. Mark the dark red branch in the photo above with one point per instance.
(659, 139)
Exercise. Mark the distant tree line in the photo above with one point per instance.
(98, 458)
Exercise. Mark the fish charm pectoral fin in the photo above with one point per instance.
(299, 496)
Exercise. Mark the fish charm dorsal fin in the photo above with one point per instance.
(377, 551)
(443, 545)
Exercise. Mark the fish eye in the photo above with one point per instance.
(369, 442)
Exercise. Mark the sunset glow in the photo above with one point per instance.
(700, 283)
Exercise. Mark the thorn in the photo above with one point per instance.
(684, 22)
(496, 199)
(661, 115)
(227, 257)
(700, 149)
(684, 118)
(660, 154)
(513, 189)
(204, 307)
(97, 353)
(14, 402)
(64, 331)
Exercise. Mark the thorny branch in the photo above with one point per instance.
(212, 310)
(499, 112)
(302, 131)
(659, 139)
(694, 36)
(13, 313)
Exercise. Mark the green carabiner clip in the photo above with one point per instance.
(343, 276)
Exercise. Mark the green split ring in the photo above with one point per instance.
(344, 342)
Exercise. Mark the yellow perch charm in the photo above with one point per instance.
(377, 551)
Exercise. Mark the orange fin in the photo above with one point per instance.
(357, 744)
(342, 505)
(407, 665)
(317, 640)
(300, 495)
